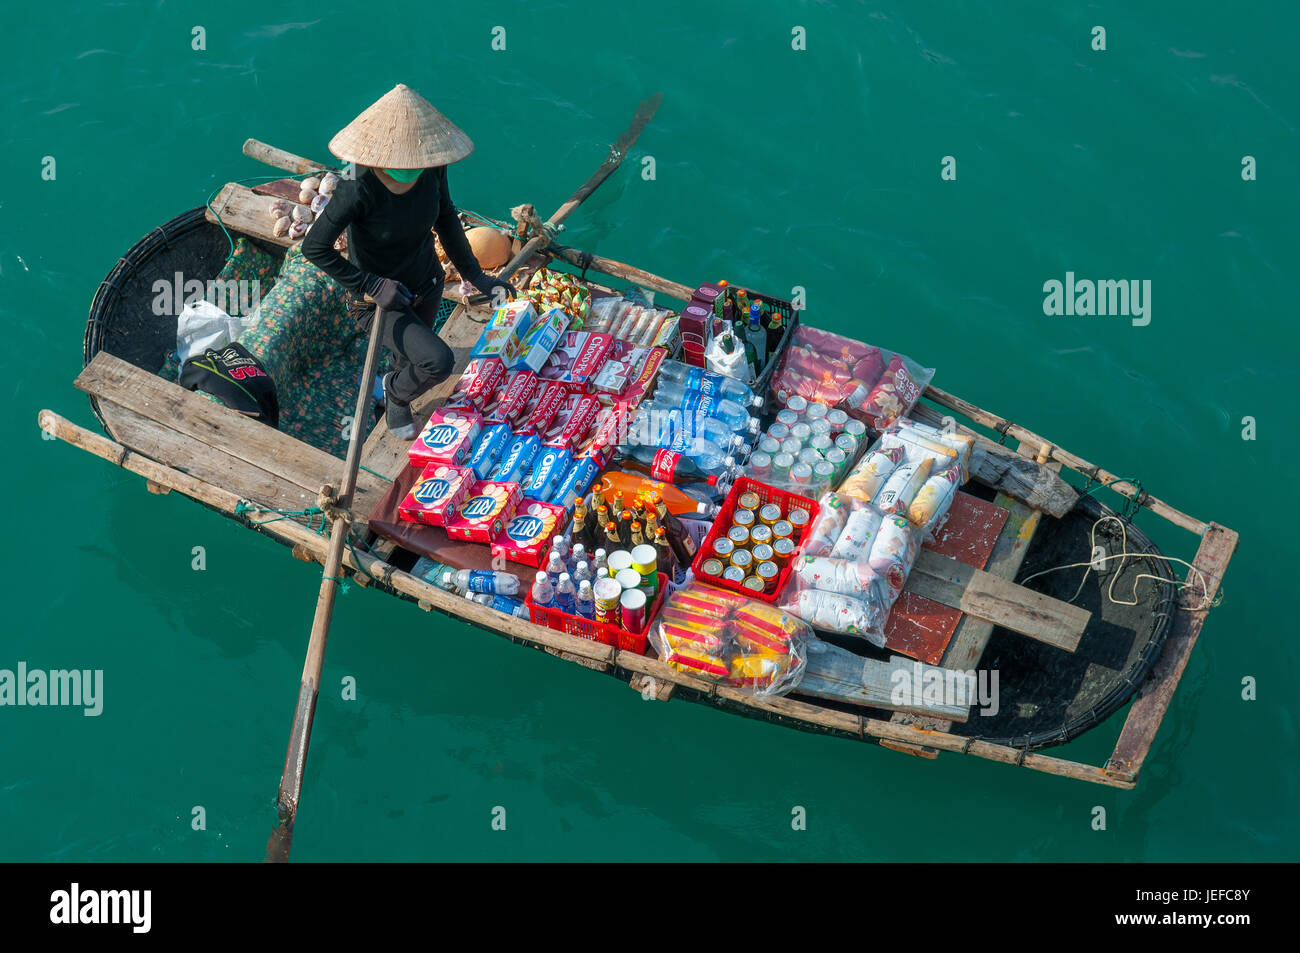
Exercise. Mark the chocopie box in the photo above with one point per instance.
(529, 533)
(503, 335)
(628, 372)
(577, 359)
(542, 339)
(484, 514)
(478, 383)
(447, 438)
(574, 421)
(437, 496)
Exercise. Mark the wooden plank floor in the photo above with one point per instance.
(276, 463)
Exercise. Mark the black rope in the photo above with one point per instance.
(1002, 429)
(585, 259)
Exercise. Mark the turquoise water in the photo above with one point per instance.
(817, 168)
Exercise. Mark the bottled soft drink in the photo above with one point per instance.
(670, 466)
(681, 500)
(485, 580)
(585, 601)
(543, 592)
(565, 594)
(686, 377)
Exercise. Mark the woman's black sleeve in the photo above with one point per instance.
(318, 246)
(454, 242)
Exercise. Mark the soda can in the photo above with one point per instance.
(781, 464)
(810, 456)
(791, 445)
(782, 529)
(839, 461)
(797, 404)
(821, 442)
(787, 417)
(749, 501)
(742, 558)
(754, 584)
(801, 474)
(739, 535)
(848, 443)
(837, 419)
(733, 574)
(769, 445)
(801, 432)
(746, 517)
(770, 514)
(760, 534)
(768, 571)
(824, 472)
(723, 548)
(798, 519)
(815, 411)
(607, 593)
(762, 552)
(778, 431)
(782, 550)
(760, 465)
(632, 605)
(711, 567)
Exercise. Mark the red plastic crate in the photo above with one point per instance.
(722, 522)
(601, 632)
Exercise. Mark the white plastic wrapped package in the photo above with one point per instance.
(930, 508)
(895, 551)
(902, 486)
(833, 512)
(872, 472)
(842, 614)
(920, 441)
(859, 534)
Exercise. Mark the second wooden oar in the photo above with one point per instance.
(295, 760)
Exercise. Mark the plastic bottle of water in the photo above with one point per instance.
(561, 546)
(485, 580)
(657, 427)
(577, 557)
(673, 466)
(602, 561)
(502, 604)
(693, 404)
(585, 602)
(582, 573)
(543, 591)
(565, 594)
(554, 567)
(685, 377)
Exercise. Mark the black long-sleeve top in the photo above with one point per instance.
(389, 235)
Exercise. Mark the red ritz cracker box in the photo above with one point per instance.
(483, 516)
(437, 497)
(478, 383)
(529, 533)
(573, 422)
(448, 438)
(512, 401)
(577, 359)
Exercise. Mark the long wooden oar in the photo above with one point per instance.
(295, 760)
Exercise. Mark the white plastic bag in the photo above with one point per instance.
(203, 325)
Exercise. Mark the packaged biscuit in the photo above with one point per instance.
(729, 638)
(930, 508)
(478, 384)
(483, 516)
(577, 359)
(530, 533)
(541, 340)
(511, 402)
(902, 486)
(869, 476)
(447, 438)
(504, 333)
(437, 495)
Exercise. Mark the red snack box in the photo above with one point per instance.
(610, 431)
(577, 359)
(437, 496)
(514, 399)
(528, 534)
(542, 411)
(573, 424)
(483, 516)
(478, 383)
(448, 437)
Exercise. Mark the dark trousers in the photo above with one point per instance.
(421, 358)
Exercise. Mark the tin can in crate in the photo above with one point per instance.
(770, 514)
(607, 592)
(761, 534)
(645, 560)
(748, 501)
(632, 605)
(712, 567)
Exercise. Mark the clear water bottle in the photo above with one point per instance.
(565, 594)
(487, 581)
(543, 592)
(555, 567)
(582, 573)
(601, 562)
(501, 604)
(585, 601)
(578, 555)
(694, 404)
(658, 427)
(684, 377)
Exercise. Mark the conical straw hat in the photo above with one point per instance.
(401, 131)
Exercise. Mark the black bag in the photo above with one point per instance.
(237, 379)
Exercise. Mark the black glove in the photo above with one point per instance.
(497, 290)
(390, 295)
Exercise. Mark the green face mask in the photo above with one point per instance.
(404, 175)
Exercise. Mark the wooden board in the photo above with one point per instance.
(836, 673)
(240, 209)
(1148, 711)
(972, 635)
(998, 600)
(921, 628)
(1011, 473)
(196, 418)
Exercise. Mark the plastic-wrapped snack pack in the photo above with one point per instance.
(874, 385)
(729, 638)
(851, 588)
(913, 470)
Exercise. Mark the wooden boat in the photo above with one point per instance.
(1064, 668)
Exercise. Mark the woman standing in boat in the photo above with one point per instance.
(400, 149)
